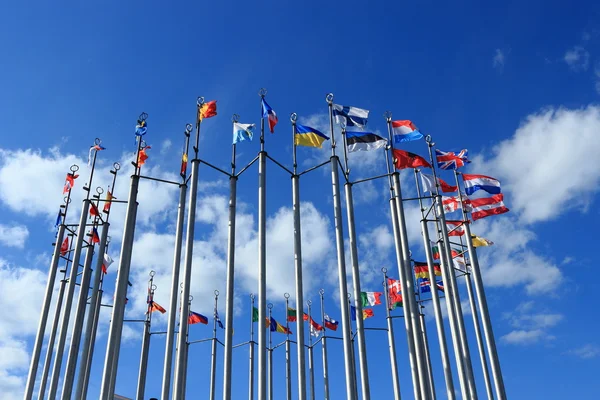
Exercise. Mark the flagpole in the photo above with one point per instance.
(426, 350)
(360, 329)
(452, 294)
(262, 257)
(403, 259)
(391, 338)
(483, 307)
(354, 383)
(172, 313)
(341, 261)
(186, 352)
(298, 267)
(113, 345)
(141, 383)
(324, 348)
(39, 338)
(213, 354)
(435, 299)
(311, 366)
(251, 350)
(270, 356)
(288, 369)
(180, 371)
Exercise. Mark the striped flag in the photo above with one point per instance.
(487, 206)
(270, 114)
(350, 116)
(405, 131)
(474, 183)
(429, 185)
(364, 141)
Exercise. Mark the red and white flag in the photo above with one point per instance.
(487, 206)
(455, 228)
(451, 204)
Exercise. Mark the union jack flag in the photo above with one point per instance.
(451, 160)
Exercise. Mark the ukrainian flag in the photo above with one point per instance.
(307, 136)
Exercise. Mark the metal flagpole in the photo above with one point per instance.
(311, 365)
(339, 241)
(180, 371)
(229, 298)
(288, 368)
(409, 305)
(141, 383)
(113, 345)
(391, 339)
(324, 348)
(360, 331)
(483, 307)
(251, 350)
(298, 268)
(172, 313)
(426, 349)
(354, 383)
(39, 338)
(51, 340)
(452, 294)
(270, 356)
(186, 351)
(435, 299)
(262, 257)
(213, 354)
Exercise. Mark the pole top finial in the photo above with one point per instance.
(200, 101)
(66, 199)
(293, 117)
(309, 303)
(152, 273)
(387, 115)
(270, 306)
(99, 190)
(143, 116)
(286, 295)
(235, 118)
(321, 292)
(384, 270)
(429, 140)
(216, 293)
(97, 141)
(153, 287)
(74, 168)
(116, 166)
(262, 92)
(188, 129)
(348, 295)
(329, 98)
(191, 298)
(252, 296)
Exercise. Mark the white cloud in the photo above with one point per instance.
(165, 146)
(531, 324)
(499, 59)
(13, 363)
(521, 336)
(577, 58)
(587, 351)
(13, 236)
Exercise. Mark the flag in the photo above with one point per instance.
(404, 159)
(107, 203)
(291, 315)
(455, 228)
(94, 210)
(451, 204)
(142, 156)
(95, 237)
(218, 320)
(58, 219)
(154, 306)
(313, 331)
(436, 253)
(207, 110)
(275, 326)
(195, 318)
(422, 270)
(428, 185)
(141, 128)
(405, 131)
(395, 291)
(330, 323)
(242, 132)
(64, 247)
(364, 141)
(269, 113)
(254, 314)
(184, 160)
(307, 136)
(475, 182)
(353, 313)
(107, 261)
(367, 313)
(460, 263)
(305, 317)
(69, 182)
(480, 242)
(425, 285)
(370, 298)
(486, 206)
(350, 116)
(451, 160)
(315, 325)
(93, 148)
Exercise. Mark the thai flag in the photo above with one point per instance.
(269, 113)
(350, 116)
(487, 206)
(475, 182)
(451, 160)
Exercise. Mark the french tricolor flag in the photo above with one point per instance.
(487, 206)
(270, 114)
(475, 182)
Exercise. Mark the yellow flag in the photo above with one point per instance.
(480, 242)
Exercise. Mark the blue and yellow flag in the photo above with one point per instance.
(307, 136)
(275, 326)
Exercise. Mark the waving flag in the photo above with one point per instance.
(395, 291)
(291, 315)
(367, 313)
(93, 148)
(455, 228)
(451, 160)
(242, 132)
(154, 306)
(436, 255)
(207, 110)
(370, 298)
(429, 185)
(275, 326)
(142, 156)
(487, 206)
(364, 141)
(218, 320)
(184, 161)
(64, 247)
(195, 318)
(330, 323)
(269, 113)
(106, 263)
(107, 203)
(480, 242)
(254, 314)
(307, 136)
(94, 210)
(425, 285)
(460, 263)
(95, 237)
(405, 131)
(404, 159)
(58, 219)
(350, 116)
(314, 324)
(422, 270)
(69, 182)
(451, 204)
(474, 183)
(141, 128)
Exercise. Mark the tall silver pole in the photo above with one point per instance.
(88, 367)
(483, 307)
(141, 383)
(435, 299)
(426, 349)
(354, 383)
(288, 366)
(186, 353)
(180, 371)
(213, 354)
(262, 259)
(324, 348)
(341, 260)
(64, 327)
(251, 349)
(172, 312)
(311, 365)
(391, 339)
(298, 270)
(270, 357)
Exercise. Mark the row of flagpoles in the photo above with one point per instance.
(403, 290)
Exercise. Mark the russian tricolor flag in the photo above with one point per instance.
(475, 182)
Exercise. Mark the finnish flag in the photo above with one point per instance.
(350, 116)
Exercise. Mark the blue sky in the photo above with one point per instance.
(517, 84)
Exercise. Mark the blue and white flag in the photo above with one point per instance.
(218, 320)
(350, 116)
(242, 132)
(474, 183)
